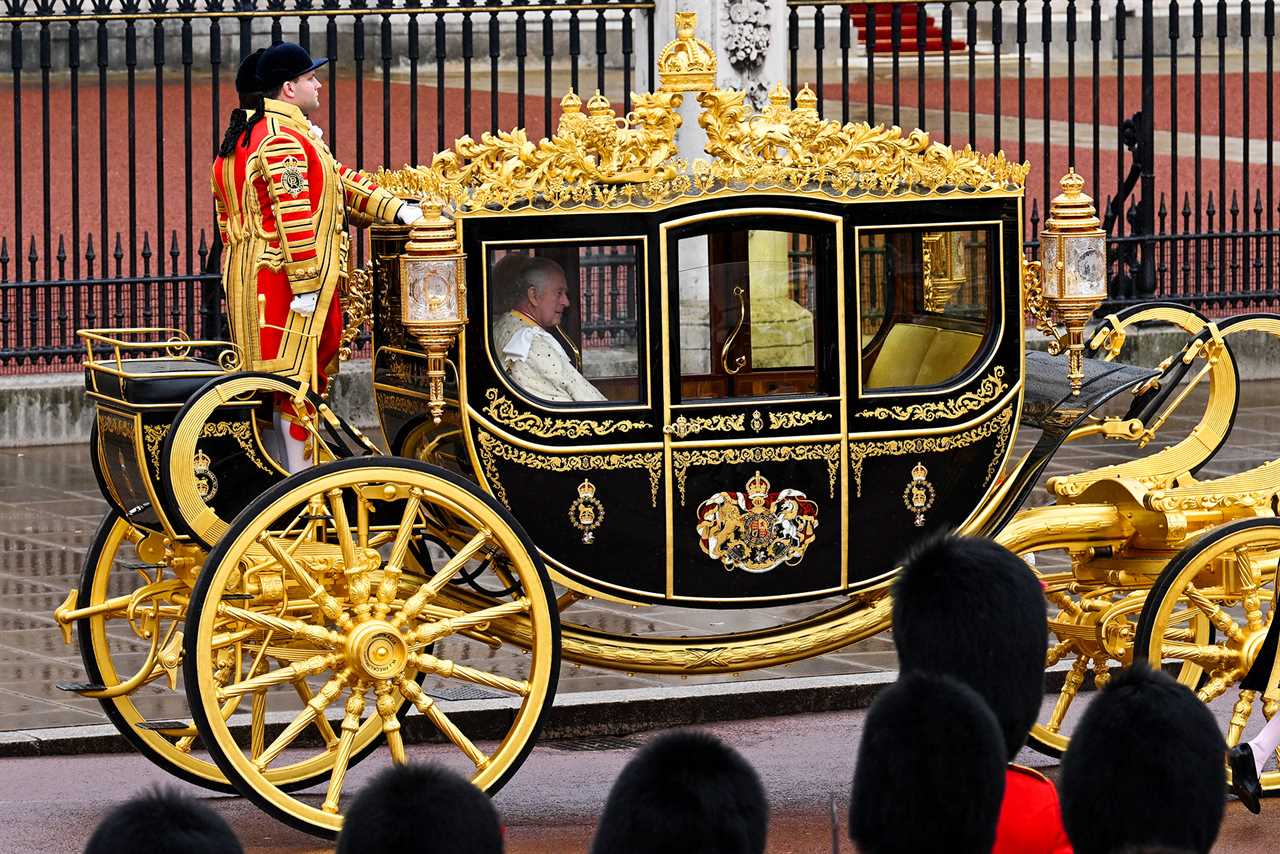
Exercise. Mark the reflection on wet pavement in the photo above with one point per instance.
(50, 508)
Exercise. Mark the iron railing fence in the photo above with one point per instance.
(1167, 109)
(117, 106)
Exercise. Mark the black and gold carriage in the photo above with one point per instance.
(792, 359)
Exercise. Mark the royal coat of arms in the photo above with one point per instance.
(758, 530)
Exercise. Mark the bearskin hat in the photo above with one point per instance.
(687, 792)
(971, 609)
(930, 772)
(390, 811)
(163, 822)
(1145, 768)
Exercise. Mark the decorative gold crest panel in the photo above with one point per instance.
(759, 530)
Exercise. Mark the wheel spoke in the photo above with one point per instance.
(431, 710)
(1211, 657)
(1218, 685)
(452, 670)
(257, 724)
(437, 582)
(1216, 615)
(431, 632)
(388, 703)
(395, 562)
(342, 528)
(315, 592)
(1070, 685)
(279, 676)
(1240, 714)
(312, 711)
(346, 743)
(322, 723)
(318, 635)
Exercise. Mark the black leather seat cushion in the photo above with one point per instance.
(154, 381)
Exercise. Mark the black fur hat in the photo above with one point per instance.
(163, 822)
(1145, 768)
(685, 792)
(390, 812)
(930, 771)
(972, 609)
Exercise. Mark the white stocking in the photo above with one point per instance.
(1265, 743)
(295, 450)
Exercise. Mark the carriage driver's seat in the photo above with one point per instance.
(151, 381)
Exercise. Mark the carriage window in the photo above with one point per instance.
(747, 314)
(925, 303)
(564, 324)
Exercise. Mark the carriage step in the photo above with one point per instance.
(235, 597)
(162, 726)
(80, 687)
(136, 565)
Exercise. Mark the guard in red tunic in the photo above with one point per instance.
(284, 205)
(970, 609)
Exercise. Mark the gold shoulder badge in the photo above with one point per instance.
(292, 179)
(759, 530)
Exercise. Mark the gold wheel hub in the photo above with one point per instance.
(377, 650)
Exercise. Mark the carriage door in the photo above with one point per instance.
(753, 407)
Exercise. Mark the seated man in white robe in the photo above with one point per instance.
(528, 351)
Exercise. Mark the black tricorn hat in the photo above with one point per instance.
(1145, 767)
(247, 74)
(970, 608)
(462, 818)
(924, 735)
(283, 62)
(684, 791)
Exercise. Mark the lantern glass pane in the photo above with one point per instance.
(431, 290)
(1086, 267)
(1049, 266)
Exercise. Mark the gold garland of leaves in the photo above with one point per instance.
(493, 448)
(791, 420)
(503, 411)
(682, 461)
(991, 387)
(1000, 426)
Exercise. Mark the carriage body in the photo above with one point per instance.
(791, 347)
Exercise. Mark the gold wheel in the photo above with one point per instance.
(1091, 630)
(315, 582)
(142, 600)
(114, 647)
(1210, 612)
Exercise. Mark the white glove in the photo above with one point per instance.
(317, 131)
(409, 214)
(304, 304)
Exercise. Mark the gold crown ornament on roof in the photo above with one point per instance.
(598, 160)
(687, 63)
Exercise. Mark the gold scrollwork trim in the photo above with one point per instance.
(121, 427)
(682, 461)
(685, 426)
(492, 449)
(990, 389)
(503, 411)
(241, 431)
(1000, 427)
(401, 403)
(791, 420)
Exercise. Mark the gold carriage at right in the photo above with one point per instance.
(771, 371)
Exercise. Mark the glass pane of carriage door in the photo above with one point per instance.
(747, 318)
(565, 325)
(925, 303)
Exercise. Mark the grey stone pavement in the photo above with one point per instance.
(49, 508)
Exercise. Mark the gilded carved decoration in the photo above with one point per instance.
(114, 424)
(685, 426)
(759, 530)
(356, 292)
(999, 426)
(682, 460)
(989, 390)
(596, 159)
(586, 512)
(402, 403)
(504, 412)
(919, 494)
(241, 431)
(791, 420)
(492, 449)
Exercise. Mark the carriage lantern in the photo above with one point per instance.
(433, 301)
(1073, 267)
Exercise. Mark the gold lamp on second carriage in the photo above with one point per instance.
(433, 298)
(1071, 276)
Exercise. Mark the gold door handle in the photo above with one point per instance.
(741, 361)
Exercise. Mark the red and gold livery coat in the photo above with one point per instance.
(283, 205)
